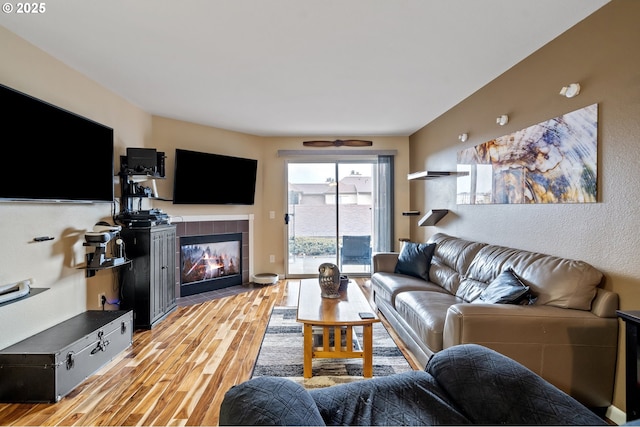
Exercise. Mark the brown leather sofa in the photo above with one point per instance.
(569, 335)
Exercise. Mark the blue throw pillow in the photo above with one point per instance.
(507, 288)
(415, 259)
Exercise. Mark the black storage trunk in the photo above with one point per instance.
(47, 366)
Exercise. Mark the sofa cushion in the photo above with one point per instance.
(451, 259)
(507, 288)
(415, 259)
(425, 312)
(555, 281)
(492, 389)
(388, 285)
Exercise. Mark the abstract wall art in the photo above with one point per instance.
(555, 161)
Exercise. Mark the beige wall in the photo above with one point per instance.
(601, 53)
(52, 264)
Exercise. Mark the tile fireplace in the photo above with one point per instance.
(211, 254)
(210, 262)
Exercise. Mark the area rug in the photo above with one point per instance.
(281, 354)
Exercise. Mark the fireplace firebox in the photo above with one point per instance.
(210, 262)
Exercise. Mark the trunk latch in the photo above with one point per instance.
(102, 343)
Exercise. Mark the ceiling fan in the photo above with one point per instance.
(339, 143)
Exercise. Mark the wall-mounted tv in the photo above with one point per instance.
(213, 179)
(56, 155)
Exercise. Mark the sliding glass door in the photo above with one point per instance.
(331, 216)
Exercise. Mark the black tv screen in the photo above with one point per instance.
(55, 155)
(213, 179)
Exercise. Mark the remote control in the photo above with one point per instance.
(365, 315)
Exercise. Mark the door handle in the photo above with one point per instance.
(287, 218)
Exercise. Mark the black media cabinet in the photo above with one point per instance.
(148, 284)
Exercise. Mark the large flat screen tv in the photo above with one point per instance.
(213, 179)
(53, 155)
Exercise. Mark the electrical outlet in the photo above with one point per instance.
(101, 296)
(272, 259)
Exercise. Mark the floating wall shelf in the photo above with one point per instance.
(91, 271)
(432, 217)
(433, 175)
(32, 292)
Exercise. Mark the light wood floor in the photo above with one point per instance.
(177, 373)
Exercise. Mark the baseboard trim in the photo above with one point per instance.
(616, 415)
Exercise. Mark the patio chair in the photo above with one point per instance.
(356, 250)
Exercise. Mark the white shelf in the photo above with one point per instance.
(433, 175)
(137, 178)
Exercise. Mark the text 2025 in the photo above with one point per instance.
(31, 7)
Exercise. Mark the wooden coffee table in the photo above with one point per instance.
(333, 317)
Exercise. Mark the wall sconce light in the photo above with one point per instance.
(502, 120)
(570, 91)
(463, 137)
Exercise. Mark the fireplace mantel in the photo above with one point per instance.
(201, 218)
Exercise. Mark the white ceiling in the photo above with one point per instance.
(297, 67)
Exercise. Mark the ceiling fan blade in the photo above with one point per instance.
(339, 143)
(318, 143)
(357, 143)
